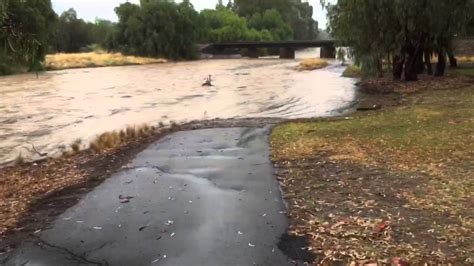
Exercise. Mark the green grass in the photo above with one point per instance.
(435, 136)
(352, 71)
(465, 70)
(422, 154)
(427, 132)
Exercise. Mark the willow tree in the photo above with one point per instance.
(403, 32)
(25, 28)
(157, 28)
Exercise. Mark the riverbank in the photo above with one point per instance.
(95, 59)
(390, 185)
(32, 195)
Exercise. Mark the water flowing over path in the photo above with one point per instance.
(62, 106)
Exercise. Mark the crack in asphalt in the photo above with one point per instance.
(73, 256)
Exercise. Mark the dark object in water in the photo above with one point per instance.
(207, 81)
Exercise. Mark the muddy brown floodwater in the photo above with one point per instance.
(58, 107)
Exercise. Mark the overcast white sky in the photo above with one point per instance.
(92, 9)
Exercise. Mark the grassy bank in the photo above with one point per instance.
(95, 59)
(396, 183)
(312, 64)
(352, 71)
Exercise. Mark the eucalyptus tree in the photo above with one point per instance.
(25, 27)
(403, 32)
(72, 33)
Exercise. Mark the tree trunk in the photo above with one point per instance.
(420, 66)
(452, 60)
(397, 66)
(410, 63)
(380, 67)
(441, 66)
(429, 66)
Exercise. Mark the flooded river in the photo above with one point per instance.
(59, 107)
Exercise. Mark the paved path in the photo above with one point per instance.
(204, 197)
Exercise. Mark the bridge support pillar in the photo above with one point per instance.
(328, 52)
(287, 53)
(253, 52)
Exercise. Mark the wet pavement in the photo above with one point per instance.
(203, 197)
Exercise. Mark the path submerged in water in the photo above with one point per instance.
(60, 107)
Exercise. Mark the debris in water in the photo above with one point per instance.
(79, 222)
(124, 201)
(155, 261)
(240, 233)
(67, 218)
(263, 215)
(170, 222)
(97, 228)
(37, 231)
(251, 245)
(190, 201)
(172, 234)
(142, 228)
(164, 256)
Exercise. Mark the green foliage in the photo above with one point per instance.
(296, 13)
(101, 31)
(72, 33)
(223, 25)
(24, 32)
(379, 29)
(156, 28)
(272, 21)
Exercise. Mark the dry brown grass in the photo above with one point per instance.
(23, 184)
(95, 59)
(465, 59)
(76, 145)
(409, 166)
(19, 160)
(113, 139)
(312, 64)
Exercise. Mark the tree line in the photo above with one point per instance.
(403, 34)
(158, 28)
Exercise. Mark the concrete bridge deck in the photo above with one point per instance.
(287, 48)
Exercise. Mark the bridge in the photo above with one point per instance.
(287, 48)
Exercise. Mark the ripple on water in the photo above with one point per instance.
(90, 102)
